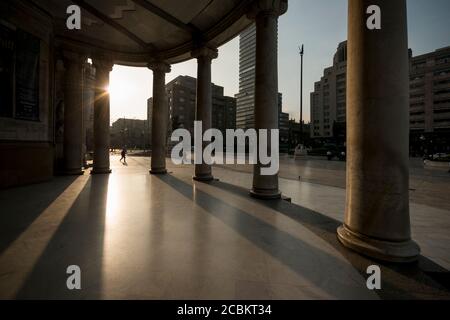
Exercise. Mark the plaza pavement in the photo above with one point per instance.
(138, 236)
(427, 186)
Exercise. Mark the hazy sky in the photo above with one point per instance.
(319, 24)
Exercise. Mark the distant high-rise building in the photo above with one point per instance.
(224, 112)
(430, 91)
(430, 102)
(245, 99)
(328, 101)
(181, 96)
(283, 125)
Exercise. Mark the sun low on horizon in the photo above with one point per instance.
(131, 87)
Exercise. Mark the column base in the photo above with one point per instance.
(158, 171)
(101, 171)
(265, 194)
(73, 172)
(205, 178)
(398, 252)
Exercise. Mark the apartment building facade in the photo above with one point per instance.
(181, 97)
(129, 133)
(328, 101)
(429, 100)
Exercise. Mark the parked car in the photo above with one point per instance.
(339, 152)
(445, 157)
(342, 156)
(441, 157)
(330, 155)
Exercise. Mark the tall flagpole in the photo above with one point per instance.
(301, 92)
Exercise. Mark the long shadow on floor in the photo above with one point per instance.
(406, 281)
(319, 268)
(78, 241)
(22, 205)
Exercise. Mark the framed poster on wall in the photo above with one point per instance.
(27, 76)
(7, 52)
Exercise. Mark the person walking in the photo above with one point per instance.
(124, 155)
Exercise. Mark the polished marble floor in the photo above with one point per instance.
(137, 236)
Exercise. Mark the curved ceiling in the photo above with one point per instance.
(133, 32)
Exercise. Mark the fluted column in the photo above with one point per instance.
(203, 111)
(160, 117)
(377, 220)
(101, 117)
(73, 113)
(265, 13)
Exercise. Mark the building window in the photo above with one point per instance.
(419, 65)
(442, 72)
(417, 78)
(416, 96)
(443, 60)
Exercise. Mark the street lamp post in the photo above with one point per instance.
(301, 92)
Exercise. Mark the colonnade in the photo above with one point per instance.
(377, 205)
(73, 114)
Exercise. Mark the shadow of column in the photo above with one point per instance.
(399, 281)
(78, 241)
(329, 275)
(23, 205)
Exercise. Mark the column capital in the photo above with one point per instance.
(103, 64)
(267, 7)
(205, 52)
(160, 66)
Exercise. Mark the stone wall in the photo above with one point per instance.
(26, 147)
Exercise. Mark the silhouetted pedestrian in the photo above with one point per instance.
(124, 155)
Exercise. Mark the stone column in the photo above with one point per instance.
(88, 105)
(203, 110)
(377, 206)
(73, 113)
(101, 117)
(265, 13)
(85, 114)
(160, 117)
